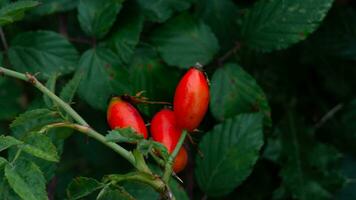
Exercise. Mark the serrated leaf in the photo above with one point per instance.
(33, 120)
(149, 74)
(234, 91)
(230, 151)
(10, 93)
(82, 186)
(69, 90)
(160, 11)
(51, 85)
(126, 37)
(48, 7)
(112, 193)
(42, 51)
(102, 77)
(40, 146)
(15, 11)
(7, 142)
(96, 17)
(277, 24)
(221, 17)
(140, 191)
(6, 191)
(26, 179)
(124, 135)
(184, 41)
(307, 166)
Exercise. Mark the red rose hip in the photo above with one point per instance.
(121, 114)
(165, 131)
(191, 99)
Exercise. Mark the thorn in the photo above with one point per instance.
(31, 78)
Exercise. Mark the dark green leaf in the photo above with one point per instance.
(140, 191)
(48, 7)
(307, 166)
(183, 42)
(82, 186)
(6, 192)
(3, 162)
(126, 37)
(234, 91)
(40, 146)
(111, 193)
(15, 11)
(348, 170)
(96, 17)
(123, 135)
(177, 190)
(160, 11)
(26, 179)
(33, 120)
(277, 24)
(7, 142)
(230, 151)
(221, 16)
(149, 74)
(10, 94)
(69, 90)
(102, 77)
(42, 51)
(51, 85)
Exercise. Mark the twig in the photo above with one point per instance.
(227, 55)
(3, 39)
(90, 132)
(329, 115)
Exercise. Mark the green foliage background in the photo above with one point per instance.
(282, 116)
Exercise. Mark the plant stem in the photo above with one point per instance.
(168, 168)
(83, 127)
(3, 39)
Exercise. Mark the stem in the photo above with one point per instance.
(3, 39)
(168, 168)
(84, 128)
(229, 53)
(18, 153)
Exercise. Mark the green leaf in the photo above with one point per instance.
(183, 42)
(160, 11)
(102, 77)
(112, 193)
(308, 167)
(348, 170)
(40, 146)
(69, 90)
(7, 142)
(48, 7)
(149, 74)
(51, 85)
(230, 151)
(6, 191)
(126, 37)
(26, 179)
(96, 17)
(234, 91)
(277, 24)
(140, 191)
(33, 120)
(220, 15)
(42, 51)
(82, 186)
(124, 135)
(9, 98)
(15, 11)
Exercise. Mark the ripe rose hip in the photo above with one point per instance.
(191, 99)
(165, 131)
(121, 114)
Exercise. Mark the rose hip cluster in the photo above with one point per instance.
(190, 104)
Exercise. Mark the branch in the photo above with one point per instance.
(83, 125)
(227, 55)
(3, 39)
(168, 168)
